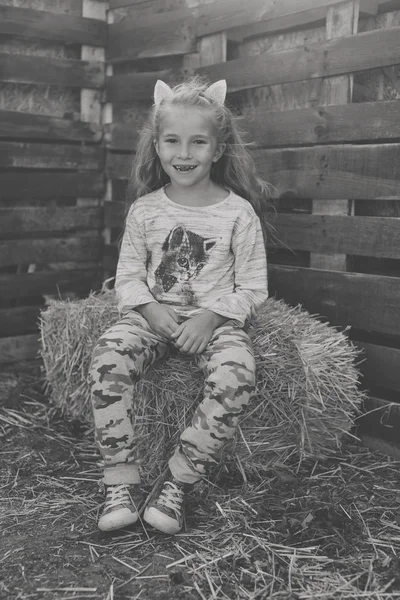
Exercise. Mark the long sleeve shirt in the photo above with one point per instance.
(193, 258)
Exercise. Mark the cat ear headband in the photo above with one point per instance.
(216, 91)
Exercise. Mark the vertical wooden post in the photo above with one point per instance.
(91, 100)
(341, 21)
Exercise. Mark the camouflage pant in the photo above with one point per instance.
(120, 358)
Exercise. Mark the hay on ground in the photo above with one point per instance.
(306, 399)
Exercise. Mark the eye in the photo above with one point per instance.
(170, 140)
(200, 142)
(183, 262)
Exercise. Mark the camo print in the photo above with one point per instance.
(121, 357)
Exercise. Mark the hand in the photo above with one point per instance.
(161, 318)
(193, 335)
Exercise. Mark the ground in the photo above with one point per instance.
(321, 530)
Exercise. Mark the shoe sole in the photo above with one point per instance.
(161, 521)
(117, 520)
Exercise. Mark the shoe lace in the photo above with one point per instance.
(171, 497)
(117, 495)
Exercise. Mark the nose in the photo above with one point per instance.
(184, 151)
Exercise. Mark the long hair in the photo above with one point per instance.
(235, 170)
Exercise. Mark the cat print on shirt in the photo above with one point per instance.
(184, 255)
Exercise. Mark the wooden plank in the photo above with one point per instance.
(18, 348)
(366, 302)
(327, 172)
(28, 126)
(118, 136)
(53, 250)
(369, 50)
(48, 219)
(50, 156)
(19, 68)
(19, 321)
(129, 40)
(50, 185)
(309, 14)
(174, 32)
(50, 282)
(125, 89)
(43, 25)
(342, 20)
(118, 166)
(381, 367)
(361, 122)
(326, 234)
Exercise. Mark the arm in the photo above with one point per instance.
(131, 278)
(251, 283)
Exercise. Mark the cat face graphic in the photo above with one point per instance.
(184, 255)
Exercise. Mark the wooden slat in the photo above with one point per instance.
(327, 234)
(16, 349)
(25, 285)
(359, 171)
(125, 89)
(48, 219)
(15, 252)
(173, 32)
(133, 41)
(367, 302)
(118, 166)
(19, 321)
(18, 68)
(381, 367)
(364, 121)
(26, 126)
(50, 156)
(50, 185)
(360, 122)
(43, 25)
(369, 50)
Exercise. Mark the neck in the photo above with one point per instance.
(203, 195)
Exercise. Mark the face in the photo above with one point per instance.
(187, 146)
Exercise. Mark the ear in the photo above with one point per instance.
(209, 244)
(217, 91)
(161, 91)
(177, 237)
(219, 152)
(156, 145)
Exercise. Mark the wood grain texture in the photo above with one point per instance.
(51, 156)
(25, 285)
(366, 302)
(49, 251)
(28, 126)
(19, 68)
(369, 50)
(15, 221)
(364, 236)
(366, 121)
(50, 185)
(330, 172)
(43, 25)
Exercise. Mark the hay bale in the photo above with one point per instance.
(306, 399)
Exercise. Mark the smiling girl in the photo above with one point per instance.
(192, 270)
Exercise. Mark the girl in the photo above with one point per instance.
(191, 271)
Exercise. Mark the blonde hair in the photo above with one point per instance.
(235, 170)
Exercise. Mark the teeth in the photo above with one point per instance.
(184, 167)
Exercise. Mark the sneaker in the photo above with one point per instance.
(165, 511)
(121, 507)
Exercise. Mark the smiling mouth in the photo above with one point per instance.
(184, 168)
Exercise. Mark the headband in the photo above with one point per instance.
(216, 91)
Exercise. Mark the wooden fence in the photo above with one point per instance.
(317, 84)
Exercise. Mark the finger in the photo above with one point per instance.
(172, 314)
(202, 347)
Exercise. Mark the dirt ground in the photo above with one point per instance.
(331, 531)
